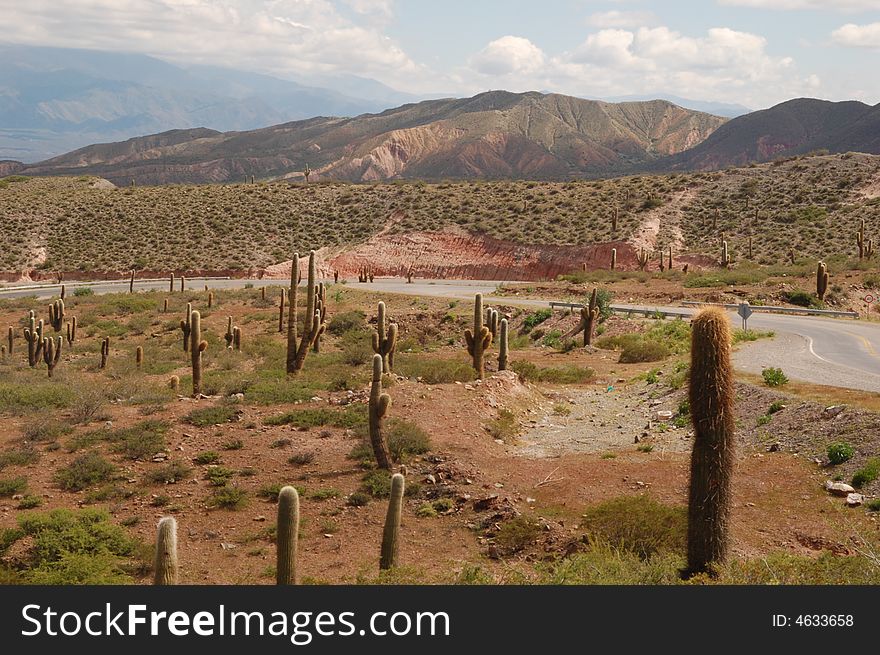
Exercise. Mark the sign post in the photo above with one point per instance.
(744, 311)
(868, 300)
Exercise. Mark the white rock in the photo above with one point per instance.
(663, 415)
(838, 488)
(854, 500)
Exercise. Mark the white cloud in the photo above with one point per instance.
(859, 36)
(508, 55)
(827, 5)
(609, 19)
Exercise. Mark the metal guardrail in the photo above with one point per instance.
(771, 309)
(28, 287)
(620, 309)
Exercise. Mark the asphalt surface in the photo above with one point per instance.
(837, 352)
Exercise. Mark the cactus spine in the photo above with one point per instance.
(480, 339)
(71, 330)
(821, 280)
(287, 536)
(379, 404)
(105, 351)
(186, 326)
(52, 352)
(56, 315)
(711, 399)
(614, 258)
(385, 340)
(139, 356)
(166, 568)
(391, 533)
(589, 316)
(197, 347)
(502, 347)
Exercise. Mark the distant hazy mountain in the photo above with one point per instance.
(54, 100)
(492, 135)
(790, 128)
(717, 108)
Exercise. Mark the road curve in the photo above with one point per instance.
(837, 352)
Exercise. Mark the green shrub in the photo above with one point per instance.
(21, 397)
(505, 427)
(637, 524)
(81, 292)
(801, 298)
(207, 457)
(776, 406)
(358, 499)
(536, 318)
(86, 470)
(218, 476)
(568, 374)
(170, 473)
(433, 370)
(207, 416)
(228, 498)
(346, 322)
(301, 459)
(19, 457)
(140, 441)
(840, 452)
(867, 474)
(405, 439)
(774, 377)
(643, 351)
(12, 486)
(517, 533)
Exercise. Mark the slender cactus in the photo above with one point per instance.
(642, 258)
(725, 255)
(171, 283)
(312, 325)
(165, 570)
(281, 311)
(492, 321)
(63, 292)
(131, 282)
(56, 315)
(614, 217)
(210, 299)
(105, 351)
(287, 536)
(711, 400)
(139, 356)
(821, 280)
(379, 405)
(165, 306)
(52, 352)
(229, 337)
(614, 258)
(385, 340)
(321, 312)
(186, 326)
(391, 533)
(10, 339)
(197, 347)
(478, 340)
(670, 258)
(503, 356)
(182, 283)
(33, 334)
(71, 330)
(236, 338)
(860, 239)
(589, 317)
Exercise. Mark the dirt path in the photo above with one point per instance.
(666, 218)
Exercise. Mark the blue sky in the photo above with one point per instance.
(753, 52)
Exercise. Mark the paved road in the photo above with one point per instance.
(837, 352)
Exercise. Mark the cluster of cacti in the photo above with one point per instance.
(380, 402)
(478, 340)
(725, 255)
(642, 258)
(492, 317)
(287, 536)
(197, 347)
(105, 351)
(613, 258)
(391, 531)
(589, 317)
(165, 568)
(711, 403)
(232, 337)
(385, 340)
(866, 246)
(321, 312)
(503, 357)
(56, 315)
(33, 334)
(365, 274)
(186, 326)
(52, 352)
(821, 280)
(313, 325)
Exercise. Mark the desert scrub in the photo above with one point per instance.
(840, 452)
(12, 486)
(22, 394)
(228, 497)
(867, 474)
(505, 427)
(85, 471)
(169, 473)
(774, 377)
(531, 321)
(215, 415)
(568, 374)
(207, 457)
(351, 417)
(66, 547)
(433, 370)
(516, 534)
(637, 524)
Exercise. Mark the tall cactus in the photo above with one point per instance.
(56, 315)
(105, 351)
(182, 283)
(642, 258)
(197, 347)
(186, 326)
(725, 255)
(236, 338)
(391, 532)
(670, 258)
(281, 311)
(503, 356)
(614, 217)
(711, 400)
(171, 283)
(379, 404)
(312, 326)
(614, 258)
(52, 352)
(139, 357)
(131, 282)
(71, 330)
(10, 338)
(385, 340)
(165, 570)
(321, 311)
(478, 340)
(287, 536)
(860, 239)
(492, 321)
(589, 317)
(821, 280)
(229, 337)
(33, 334)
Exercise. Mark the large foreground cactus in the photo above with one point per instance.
(385, 340)
(391, 533)
(166, 567)
(711, 402)
(287, 536)
(478, 340)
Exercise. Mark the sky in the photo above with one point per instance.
(751, 52)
